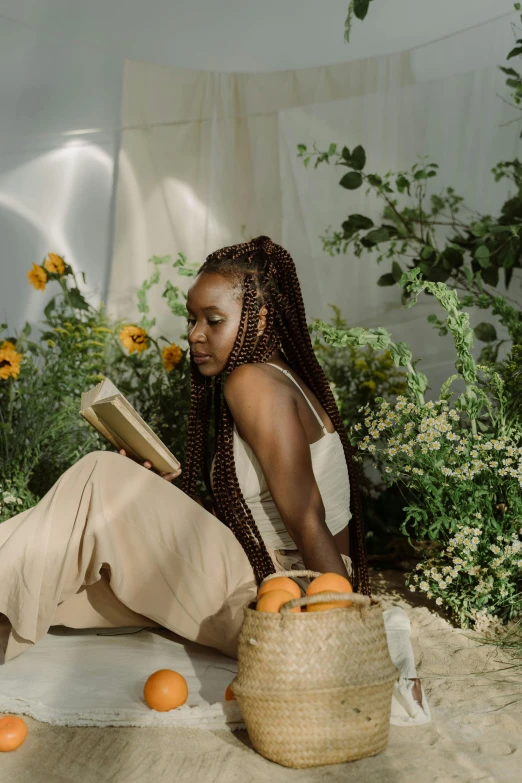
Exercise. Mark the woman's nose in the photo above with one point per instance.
(196, 335)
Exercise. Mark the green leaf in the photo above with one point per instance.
(479, 229)
(306, 161)
(508, 274)
(358, 158)
(420, 175)
(26, 331)
(77, 300)
(490, 276)
(360, 8)
(437, 274)
(402, 184)
(346, 155)
(453, 258)
(374, 180)
(469, 274)
(301, 148)
(377, 235)
(482, 256)
(357, 222)
(509, 72)
(485, 332)
(332, 149)
(396, 271)
(514, 52)
(49, 307)
(427, 252)
(351, 181)
(387, 279)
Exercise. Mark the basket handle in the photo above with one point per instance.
(356, 598)
(312, 574)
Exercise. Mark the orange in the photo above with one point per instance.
(165, 690)
(13, 731)
(280, 583)
(273, 600)
(329, 583)
(229, 694)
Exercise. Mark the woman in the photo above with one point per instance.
(114, 545)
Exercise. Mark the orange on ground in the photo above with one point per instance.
(280, 583)
(165, 690)
(229, 694)
(274, 600)
(323, 606)
(13, 731)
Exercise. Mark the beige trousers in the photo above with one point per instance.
(113, 545)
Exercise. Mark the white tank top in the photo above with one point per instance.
(331, 475)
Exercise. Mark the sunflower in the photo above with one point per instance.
(172, 355)
(54, 264)
(134, 338)
(38, 277)
(9, 361)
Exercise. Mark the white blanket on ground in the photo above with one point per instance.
(405, 710)
(95, 677)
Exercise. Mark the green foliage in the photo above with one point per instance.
(359, 9)
(41, 431)
(456, 463)
(436, 233)
(357, 375)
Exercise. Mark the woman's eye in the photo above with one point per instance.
(213, 323)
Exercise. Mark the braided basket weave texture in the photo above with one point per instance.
(315, 688)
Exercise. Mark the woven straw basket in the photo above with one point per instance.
(315, 688)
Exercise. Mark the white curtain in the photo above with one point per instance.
(209, 159)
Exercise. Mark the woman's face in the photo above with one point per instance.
(214, 311)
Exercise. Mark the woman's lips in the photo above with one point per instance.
(201, 358)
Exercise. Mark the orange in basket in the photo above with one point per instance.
(273, 600)
(280, 583)
(329, 583)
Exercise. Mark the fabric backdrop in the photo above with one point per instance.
(209, 159)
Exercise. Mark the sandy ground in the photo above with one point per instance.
(475, 733)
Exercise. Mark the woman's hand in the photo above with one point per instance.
(148, 465)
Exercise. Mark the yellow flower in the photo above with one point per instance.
(134, 338)
(172, 355)
(9, 361)
(37, 277)
(54, 264)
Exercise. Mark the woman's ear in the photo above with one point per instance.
(261, 324)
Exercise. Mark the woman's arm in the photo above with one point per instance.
(267, 418)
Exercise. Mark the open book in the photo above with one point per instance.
(113, 416)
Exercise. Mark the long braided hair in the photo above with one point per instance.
(266, 274)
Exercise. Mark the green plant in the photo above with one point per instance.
(357, 375)
(436, 232)
(41, 380)
(359, 9)
(460, 463)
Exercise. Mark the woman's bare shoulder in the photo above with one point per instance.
(247, 377)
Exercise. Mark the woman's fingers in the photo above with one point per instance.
(148, 464)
